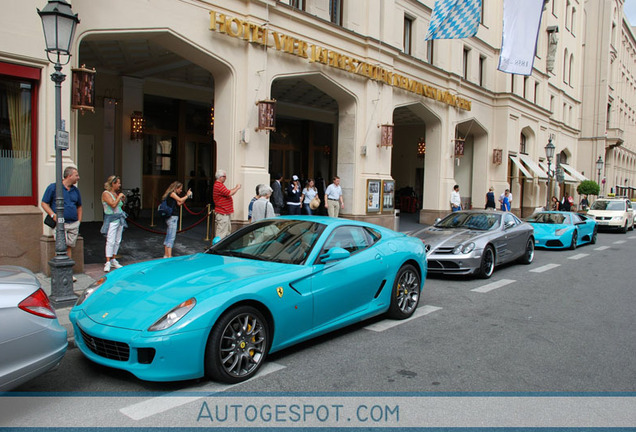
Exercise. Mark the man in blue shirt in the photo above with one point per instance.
(72, 206)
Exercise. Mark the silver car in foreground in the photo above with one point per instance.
(32, 341)
(476, 241)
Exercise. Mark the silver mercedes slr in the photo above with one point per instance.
(474, 242)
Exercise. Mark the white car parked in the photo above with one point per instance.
(613, 213)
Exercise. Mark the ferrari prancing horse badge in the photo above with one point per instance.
(279, 290)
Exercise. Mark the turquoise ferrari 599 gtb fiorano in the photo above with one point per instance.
(268, 286)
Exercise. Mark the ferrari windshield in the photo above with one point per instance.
(278, 240)
(475, 221)
(548, 218)
(608, 205)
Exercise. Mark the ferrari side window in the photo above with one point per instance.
(353, 239)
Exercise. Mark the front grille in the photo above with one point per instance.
(106, 348)
(554, 243)
(442, 265)
(603, 218)
(444, 250)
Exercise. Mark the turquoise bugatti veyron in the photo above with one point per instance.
(267, 286)
(560, 229)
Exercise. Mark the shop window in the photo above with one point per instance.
(18, 132)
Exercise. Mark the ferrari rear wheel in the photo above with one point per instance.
(487, 266)
(574, 239)
(237, 345)
(406, 293)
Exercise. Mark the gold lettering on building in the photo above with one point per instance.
(254, 33)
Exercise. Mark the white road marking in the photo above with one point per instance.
(631, 238)
(494, 285)
(387, 324)
(602, 248)
(157, 405)
(578, 256)
(619, 242)
(545, 268)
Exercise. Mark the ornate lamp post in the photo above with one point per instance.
(549, 154)
(599, 167)
(58, 22)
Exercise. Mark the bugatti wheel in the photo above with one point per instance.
(237, 345)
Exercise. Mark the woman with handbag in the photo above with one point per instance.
(309, 193)
(173, 199)
(114, 220)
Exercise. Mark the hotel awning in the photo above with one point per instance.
(532, 165)
(574, 173)
(521, 167)
(567, 178)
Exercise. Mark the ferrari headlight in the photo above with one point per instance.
(560, 231)
(90, 290)
(172, 317)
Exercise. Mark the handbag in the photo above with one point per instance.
(164, 209)
(314, 203)
(49, 221)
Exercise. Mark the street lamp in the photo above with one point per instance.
(599, 167)
(549, 154)
(58, 22)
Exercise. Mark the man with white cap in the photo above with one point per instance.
(293, 196)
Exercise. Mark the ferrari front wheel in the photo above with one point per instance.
(406, 293)
(237, 345)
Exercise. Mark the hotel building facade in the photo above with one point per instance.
(315, 88)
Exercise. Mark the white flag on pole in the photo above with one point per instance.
(521, 22)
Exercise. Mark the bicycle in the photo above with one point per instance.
(132, 206)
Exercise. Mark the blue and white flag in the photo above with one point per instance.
(522, 19)
(454, 19)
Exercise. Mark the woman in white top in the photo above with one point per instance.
(114, 220)
(308, 194)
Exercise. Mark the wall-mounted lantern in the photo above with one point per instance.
(266, 115)
(421, 148)
(137, 126)
(83, 89)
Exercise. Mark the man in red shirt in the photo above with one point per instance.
(223, 204)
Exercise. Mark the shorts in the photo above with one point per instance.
(71, 231)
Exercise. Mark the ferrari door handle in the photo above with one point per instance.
(378, 257)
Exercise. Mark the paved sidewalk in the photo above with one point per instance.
(140, 245)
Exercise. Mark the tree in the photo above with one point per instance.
(588, 187)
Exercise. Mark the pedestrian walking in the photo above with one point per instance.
(508, 195)
(309, 194)
(263, 209)
(114, 220)
(333, 198)
(173, 198)
(250, 206)
(505, 201)
(455, 199)
(223, 204)
(278, 201)
(72, 207)
(490, 199)
(293, 196)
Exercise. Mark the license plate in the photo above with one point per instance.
(602, 223)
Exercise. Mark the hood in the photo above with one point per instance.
(542, 230)
(436, 237)
(142, 295)
(606, 213)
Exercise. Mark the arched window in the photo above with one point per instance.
(566, 63)
(573, 23)
(522, 144)
(571, 63)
